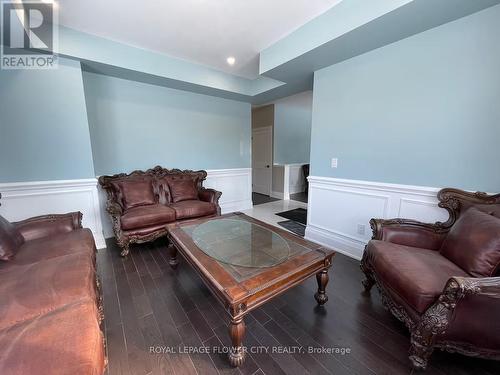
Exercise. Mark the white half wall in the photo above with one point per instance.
(339, 210)
(296, 182)
(287, 179)
(21, 200)
(235, 185)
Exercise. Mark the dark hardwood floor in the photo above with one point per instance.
(148, 305)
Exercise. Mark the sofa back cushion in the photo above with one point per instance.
(135, 192)
(10, 239)
(473, 243)
(182, 188)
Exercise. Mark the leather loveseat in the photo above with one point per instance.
(50, 305)
(141, 204)
(442, 280)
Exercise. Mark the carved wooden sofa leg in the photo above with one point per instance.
(420, 352)
(432, 323)
(125, 250)
(369, 281)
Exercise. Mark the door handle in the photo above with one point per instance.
(267, 166)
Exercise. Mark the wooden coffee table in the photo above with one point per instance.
(245, 263)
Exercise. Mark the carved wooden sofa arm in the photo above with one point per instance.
(467, 309)
(409, 232)
(47, 225)
(114, 208)
(210, 195)
(460, 287)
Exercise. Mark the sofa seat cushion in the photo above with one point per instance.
(193, 208)
(417, 276)
(79, 241)
(144, 216)
(474, 243)
(35, 289)
(65, 341)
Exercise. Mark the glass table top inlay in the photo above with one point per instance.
(240, 243)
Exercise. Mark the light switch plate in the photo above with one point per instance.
(361, 229)
(335, 162)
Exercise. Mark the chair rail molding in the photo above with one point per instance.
(21, 200)
(339, 210)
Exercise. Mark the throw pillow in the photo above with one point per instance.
(473, 243)
(183, 189)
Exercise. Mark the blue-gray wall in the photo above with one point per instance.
(292, 129)
(135, 126)
(44, 133)
(422, 111)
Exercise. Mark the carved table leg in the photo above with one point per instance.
(173, 257)
(322, 279)
(237, 352)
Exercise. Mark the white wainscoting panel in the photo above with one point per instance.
(235, 185)
(21, 200)
(339, 210)
(296, 181)
(287, 179)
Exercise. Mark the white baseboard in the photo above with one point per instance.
(337, 207)
(294, 189)
(279, 195)
(341, 243)
(21, 200)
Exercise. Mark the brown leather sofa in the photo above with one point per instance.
(50, 305)
(442, 280)
(141, 204)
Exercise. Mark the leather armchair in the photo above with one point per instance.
(441, 298)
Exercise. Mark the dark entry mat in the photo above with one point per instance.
(293, 226)
(299, 215)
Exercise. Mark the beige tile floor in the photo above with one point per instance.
(267, 211)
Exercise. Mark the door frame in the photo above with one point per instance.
(265, 129)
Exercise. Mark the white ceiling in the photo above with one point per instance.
(201, 31)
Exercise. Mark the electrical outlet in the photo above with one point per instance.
(361, 229)
(335, 162)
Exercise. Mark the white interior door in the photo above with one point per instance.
(262, 159)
